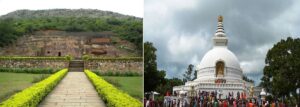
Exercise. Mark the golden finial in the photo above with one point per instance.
(220, 18)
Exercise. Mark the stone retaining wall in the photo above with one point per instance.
(94, 65)
(55, 64)
(115, 66)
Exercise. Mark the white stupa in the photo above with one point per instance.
(219, 69)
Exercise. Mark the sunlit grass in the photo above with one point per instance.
(132, 85)
(11, 83)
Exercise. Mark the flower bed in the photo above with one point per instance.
(30, 97)
(110, 94)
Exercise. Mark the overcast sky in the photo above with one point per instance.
(182, 30)
(128, 7)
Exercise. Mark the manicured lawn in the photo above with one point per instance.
(11, 83)
(132, 85)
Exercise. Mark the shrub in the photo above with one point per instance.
(110, 94)
(85, 57)
(30, 97)
(68, 57)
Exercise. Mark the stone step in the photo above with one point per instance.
(76, 66)
(75, 69)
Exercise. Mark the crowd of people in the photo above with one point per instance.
(206, 99)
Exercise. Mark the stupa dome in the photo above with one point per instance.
(219, 62)
(219, 54)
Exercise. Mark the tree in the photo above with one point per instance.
(7, 32)
(152, 77)
(168, 85)
(195, 75)
(247, 79)
(187, 76)
(281, 74)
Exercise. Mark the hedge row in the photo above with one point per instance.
(110, 94)
(29, 70)
(30, 97)
(34, 58)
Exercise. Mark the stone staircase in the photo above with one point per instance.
(76, 66)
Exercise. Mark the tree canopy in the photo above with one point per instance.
(154, 79)
(152, 76)
(187, 76)
(281, 75)
(247, 79)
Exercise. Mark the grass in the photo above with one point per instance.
(10, 83)
(132, 85)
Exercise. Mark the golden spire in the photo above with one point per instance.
(220, 18)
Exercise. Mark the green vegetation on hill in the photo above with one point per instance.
(18, 23)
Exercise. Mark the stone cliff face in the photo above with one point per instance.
(61, 43)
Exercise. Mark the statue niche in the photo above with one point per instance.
(220, 69)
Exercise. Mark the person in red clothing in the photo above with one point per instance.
(152, 103)
(145, 100)
(167, 93)
(273, 104)
(234, 103)
(225, 104)
(250, 104)
(281, 104)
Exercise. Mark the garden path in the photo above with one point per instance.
(75, 90)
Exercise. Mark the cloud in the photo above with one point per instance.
(182, 32)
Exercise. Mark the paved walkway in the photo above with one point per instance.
(75, 90)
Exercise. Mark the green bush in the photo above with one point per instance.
(68, 57)
(29, 70)
(110, 94)
(85, 57)
(30, 97)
